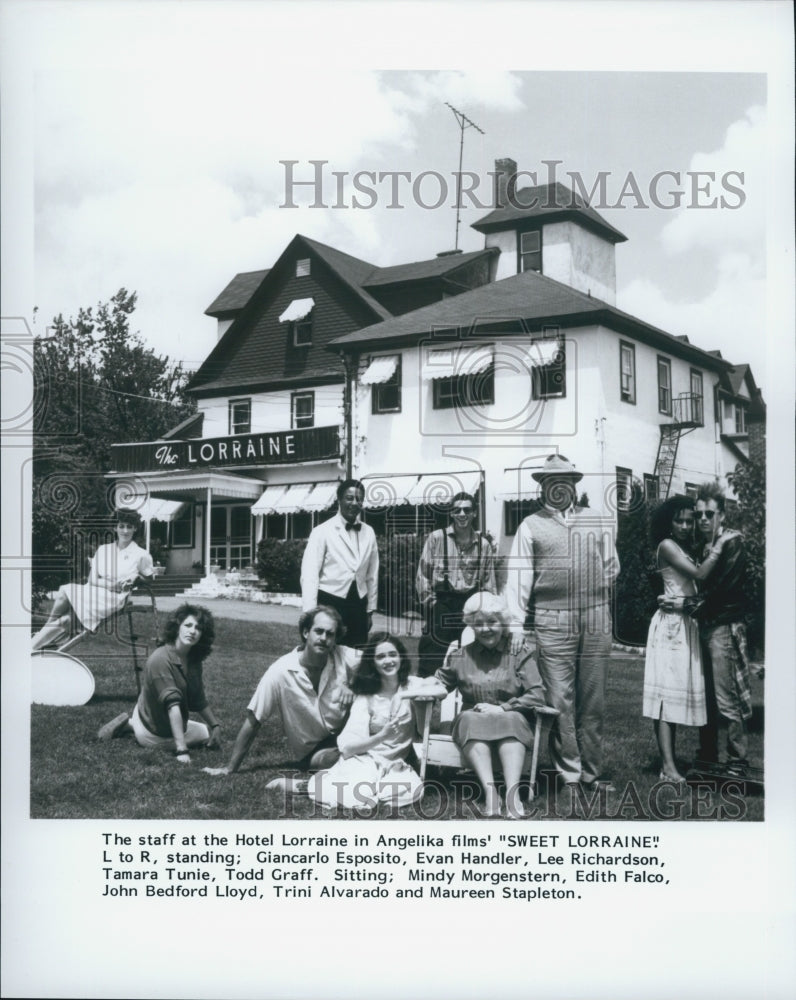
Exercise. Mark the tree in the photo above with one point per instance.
(749, 483)
(96, 384)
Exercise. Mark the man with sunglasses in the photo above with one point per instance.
(456, 562)
(723, 637)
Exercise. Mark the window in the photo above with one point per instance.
(624, 488)
(691, 490)
(530, 251)
(240, 416)
(465, 390)
(303, 268)
(386, 396)
(182, 528)
(515, 512)
(652, 487)
(302, 331)
(550, 381)
(627, 372)
(302, 409)
(697, 398)
(740, 418)
(664, 386)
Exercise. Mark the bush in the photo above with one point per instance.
(279, 564)
(638, 583)
(399, 556)
(749, 483)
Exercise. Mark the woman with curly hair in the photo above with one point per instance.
(172, 688)
(674, 685)
(376, 740)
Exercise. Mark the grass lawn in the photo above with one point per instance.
(74, 776)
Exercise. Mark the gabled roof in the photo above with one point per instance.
(422, 270)
(351, 270)
(531, 299)
(548, 203)
(732, 382)
(236, 294)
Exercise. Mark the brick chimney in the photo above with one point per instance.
(504, 171)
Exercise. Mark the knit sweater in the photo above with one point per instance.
(561, 564)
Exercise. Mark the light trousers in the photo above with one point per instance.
(573, 648)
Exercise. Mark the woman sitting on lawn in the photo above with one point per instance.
(377, 738)
(114, 569)
(172, 687)
(674, 685)
(498, 688)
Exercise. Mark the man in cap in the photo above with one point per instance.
(560, 571)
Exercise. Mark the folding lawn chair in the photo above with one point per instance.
(439, 749)
(60, 678)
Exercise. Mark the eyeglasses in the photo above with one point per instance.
(706, 513)
(462, 510)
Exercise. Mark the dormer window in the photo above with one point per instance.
(299, 315)
(530, 251)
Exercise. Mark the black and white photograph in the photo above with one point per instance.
(397, 435)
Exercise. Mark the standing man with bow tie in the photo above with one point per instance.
(340, 567)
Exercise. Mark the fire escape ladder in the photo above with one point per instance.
(667, 455)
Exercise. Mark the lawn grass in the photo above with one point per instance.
(74, 776)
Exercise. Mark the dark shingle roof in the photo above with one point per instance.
(529, 299)
(236, 294)
(548, 203)
(419, 270)
(190, 427)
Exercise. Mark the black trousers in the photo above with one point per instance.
(353, 609)
(444, 624)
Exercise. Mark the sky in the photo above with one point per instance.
(157, 141)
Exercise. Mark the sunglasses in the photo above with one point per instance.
(705, 513)
(462, 510)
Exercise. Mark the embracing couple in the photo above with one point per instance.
(696, 671)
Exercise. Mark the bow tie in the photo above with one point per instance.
(353, 527)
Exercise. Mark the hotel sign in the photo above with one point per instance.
(310, 444)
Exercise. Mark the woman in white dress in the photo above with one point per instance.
(114, 569)
(376, 740)
(674, 685)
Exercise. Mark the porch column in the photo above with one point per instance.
(207, 531)
(148, 532)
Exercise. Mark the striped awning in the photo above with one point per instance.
(154, 509)
(388, 491)
(322, 497)
(439, 489)
(270, 496)
(298, 309)
(447, 362)
(543, 352)
(380, 370)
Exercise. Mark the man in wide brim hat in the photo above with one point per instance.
(558, 466)
(560, 571)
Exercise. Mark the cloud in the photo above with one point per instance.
(743, 153)
(730, 318)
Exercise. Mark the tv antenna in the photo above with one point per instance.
(464, 122)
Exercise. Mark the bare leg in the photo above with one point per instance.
(664, 731)
(479, 757)
(512, 757)
(55, 629)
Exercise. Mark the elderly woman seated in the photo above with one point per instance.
(114, 569)
(499, 690)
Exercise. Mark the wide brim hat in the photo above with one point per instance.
(557, 466)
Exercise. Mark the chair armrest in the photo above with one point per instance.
(546, 710)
